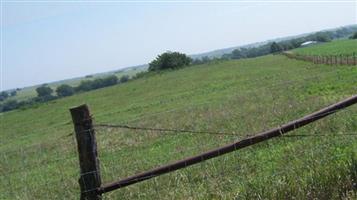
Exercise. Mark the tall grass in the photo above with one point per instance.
(39, 160)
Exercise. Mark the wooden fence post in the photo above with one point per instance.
(90, 179)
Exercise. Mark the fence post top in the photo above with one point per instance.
(79, 113)
(80, 107)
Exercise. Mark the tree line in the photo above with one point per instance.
(175, 60)
(172, 61)
(46, 93)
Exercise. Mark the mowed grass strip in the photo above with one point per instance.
(39, 159)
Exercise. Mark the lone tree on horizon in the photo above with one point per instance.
(169, 60)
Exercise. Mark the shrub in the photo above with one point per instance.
(64, 90)
(124, 79)
(169, 60)
(43, 91)
(13, 93)
(9, 105)
(275, 48)
(84, 86)
(97, 83)
(3, 95)
(354, 36)
(141, 74)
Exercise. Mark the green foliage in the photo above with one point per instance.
(88, 85)
(275, 48)
(249, 52)
(124, 79)
(200, 61)
(43, 91)
(9, 105)
(141, 74)
(169, 60)
(64, 90)
(3, 95)
(354, 36)
(13, 93)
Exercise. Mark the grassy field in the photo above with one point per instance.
(38, 152)
(30, 92)
(336, 47)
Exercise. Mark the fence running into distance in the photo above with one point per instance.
(343, 59)
(90, 178)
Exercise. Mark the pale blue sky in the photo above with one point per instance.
(48, 41)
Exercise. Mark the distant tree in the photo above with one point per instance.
(64, 90)
(97, 83)
(110, 80)
(3, 95)
(227, 56)
(9, 105)
(275, 47)
(205, 59)
(141, 74)
(84, 86)
(43, 91)
(238, 53)
(13, 93)
(169, 60)
(322, 37)
(354, 36)
(89, 76)
(124, 79)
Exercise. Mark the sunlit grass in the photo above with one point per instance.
(39, 160)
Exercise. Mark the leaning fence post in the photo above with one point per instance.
(89, 179)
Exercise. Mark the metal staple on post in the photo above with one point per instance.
(90, 178)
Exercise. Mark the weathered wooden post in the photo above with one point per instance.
(90, 178)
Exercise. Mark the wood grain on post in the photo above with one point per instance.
(89, 180)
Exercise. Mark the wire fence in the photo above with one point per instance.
(92, 186)
(342, 59)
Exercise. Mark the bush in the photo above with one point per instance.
(13, 93)
(169, 60)
(84, 86)
(354, 36)
(110, 80)
(44, 91)
(3, 95)
(9, 105)
(124, 79)
(64, 90)
(275, 48)
(140, 74)
(97, 83)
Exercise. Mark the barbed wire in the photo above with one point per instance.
(124, 126)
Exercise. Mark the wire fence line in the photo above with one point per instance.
(342, 59)
(93, 187)
(163, 130)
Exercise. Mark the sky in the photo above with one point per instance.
(46, 41)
